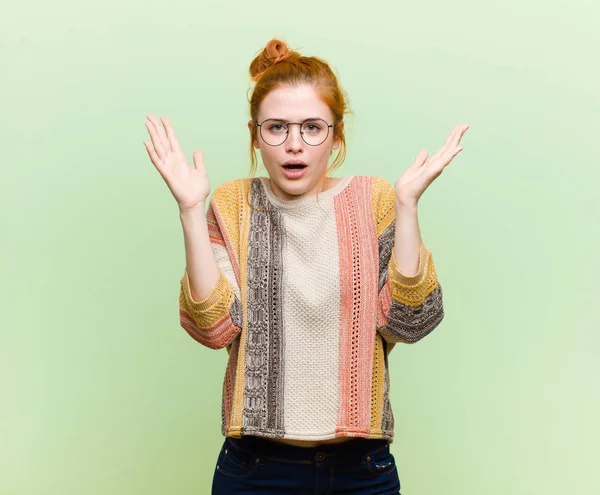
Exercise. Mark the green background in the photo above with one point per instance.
(104, 393)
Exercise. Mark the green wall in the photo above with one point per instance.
(104, 393)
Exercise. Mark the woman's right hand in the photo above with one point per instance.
(189, 185)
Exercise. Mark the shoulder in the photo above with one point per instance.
(227, 188)
(383, 196)
(382, 191)
(381, 186)
(230, 194)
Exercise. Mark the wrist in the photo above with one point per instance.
(406, 206)
(184, 212)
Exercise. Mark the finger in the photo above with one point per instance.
(454, 149)
(437, 163)
(449, 156)
(198, 159)
(153, 156)
(420, 159)
(451, 135)
(171, 135)
(463, 129)
(445, 159)
(160, 132)
(156, 140)
(158, 126)
(458, 134)
(451, 142)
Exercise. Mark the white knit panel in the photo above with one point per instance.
(224, 263)
(311, 309)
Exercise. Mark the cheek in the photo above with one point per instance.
(269, 155)
(325, 153)
(267, 151)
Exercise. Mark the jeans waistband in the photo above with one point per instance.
(354, 448)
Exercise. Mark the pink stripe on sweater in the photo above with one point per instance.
(216, 336)
(358, 283)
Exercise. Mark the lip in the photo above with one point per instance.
(294, 174)
(295, 162)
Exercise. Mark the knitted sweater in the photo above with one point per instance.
(309, 303)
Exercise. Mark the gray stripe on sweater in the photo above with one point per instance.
(263, 394)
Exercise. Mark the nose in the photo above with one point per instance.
(294, 140)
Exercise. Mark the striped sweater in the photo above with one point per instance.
(308, 304)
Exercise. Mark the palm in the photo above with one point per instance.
(413, 182)
(189, 185)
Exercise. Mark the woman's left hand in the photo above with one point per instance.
(413, 182)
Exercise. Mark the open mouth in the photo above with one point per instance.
(294, 171)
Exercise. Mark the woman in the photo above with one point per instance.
(308, 281)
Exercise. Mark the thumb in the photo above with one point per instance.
(198, 159)
(419, 161)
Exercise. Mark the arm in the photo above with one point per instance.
(407, 240)
(202, 270)
(410, 297)
(209, 302)
(412, 304)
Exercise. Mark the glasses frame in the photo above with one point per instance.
(287, 133)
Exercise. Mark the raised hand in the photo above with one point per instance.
(411, 185)
(189, 185)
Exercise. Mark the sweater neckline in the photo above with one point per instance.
(306, 200)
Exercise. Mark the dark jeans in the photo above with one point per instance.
(255, 465)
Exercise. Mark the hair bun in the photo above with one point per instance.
(275, 52)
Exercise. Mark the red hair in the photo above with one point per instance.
(276, 65)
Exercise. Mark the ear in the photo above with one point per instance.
(250, 126)
(337, 141)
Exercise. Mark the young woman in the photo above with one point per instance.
(308, 281)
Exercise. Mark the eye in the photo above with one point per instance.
(312, 127)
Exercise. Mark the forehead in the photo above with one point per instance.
(294, 103)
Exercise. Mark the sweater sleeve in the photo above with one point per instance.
(410, 307)
(217, 320)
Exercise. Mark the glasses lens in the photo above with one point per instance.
(315, 131)
(273, 131)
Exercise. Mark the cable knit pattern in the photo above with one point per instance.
(309, 292)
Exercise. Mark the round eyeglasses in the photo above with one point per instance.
(274, 132)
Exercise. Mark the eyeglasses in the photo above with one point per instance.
(274, 132)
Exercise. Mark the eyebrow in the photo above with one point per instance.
(284, 120)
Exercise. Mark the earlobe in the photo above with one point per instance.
(250, 126)
(338, 141)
